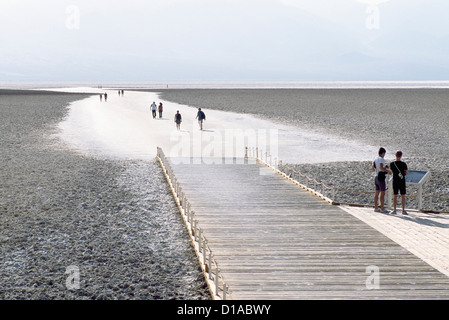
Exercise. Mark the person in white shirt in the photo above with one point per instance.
(153, 109)
(381, 170)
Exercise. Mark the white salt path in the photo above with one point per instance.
(123, 127)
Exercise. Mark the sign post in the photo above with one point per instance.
(413, 177)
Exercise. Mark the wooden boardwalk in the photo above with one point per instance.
(274, 240)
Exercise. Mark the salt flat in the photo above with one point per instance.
(123, 127)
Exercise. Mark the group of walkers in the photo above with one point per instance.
(399, 170)
(201, 116)
(105, 95)
(155, 108)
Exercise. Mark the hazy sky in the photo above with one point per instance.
(223, 40)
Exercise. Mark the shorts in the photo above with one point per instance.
(380, 185)
(399, 186)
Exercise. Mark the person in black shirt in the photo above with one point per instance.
(178, 120)
(201, 117)
(400, 170)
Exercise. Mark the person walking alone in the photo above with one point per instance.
(178, 120)
(400, 170)
(201, 117)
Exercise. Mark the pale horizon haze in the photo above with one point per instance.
(224, 40)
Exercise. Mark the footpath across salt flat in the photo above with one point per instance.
(123, 127)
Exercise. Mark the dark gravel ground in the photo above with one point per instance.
(115, 221)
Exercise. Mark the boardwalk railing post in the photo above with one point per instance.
(216, 280)
(194, 230)
(420, 202)
(204, 254)
(224, 291)
(210, 264)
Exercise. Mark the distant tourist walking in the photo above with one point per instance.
(101, 97)
(400, 170)
(153, 109)
(160, 110)
(381, 171)
(201, 117)
(178, 120)
(105, 97)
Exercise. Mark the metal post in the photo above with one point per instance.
(216, 280)
(390, 194)
(420, 197)
(181, 199)
(210, 265)
(224, 291)
(204, 252)
(194, 229)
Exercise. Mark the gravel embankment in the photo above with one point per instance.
(116, 221)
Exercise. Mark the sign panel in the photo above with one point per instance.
(415, 176)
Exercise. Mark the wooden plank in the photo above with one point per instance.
(274, 240)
